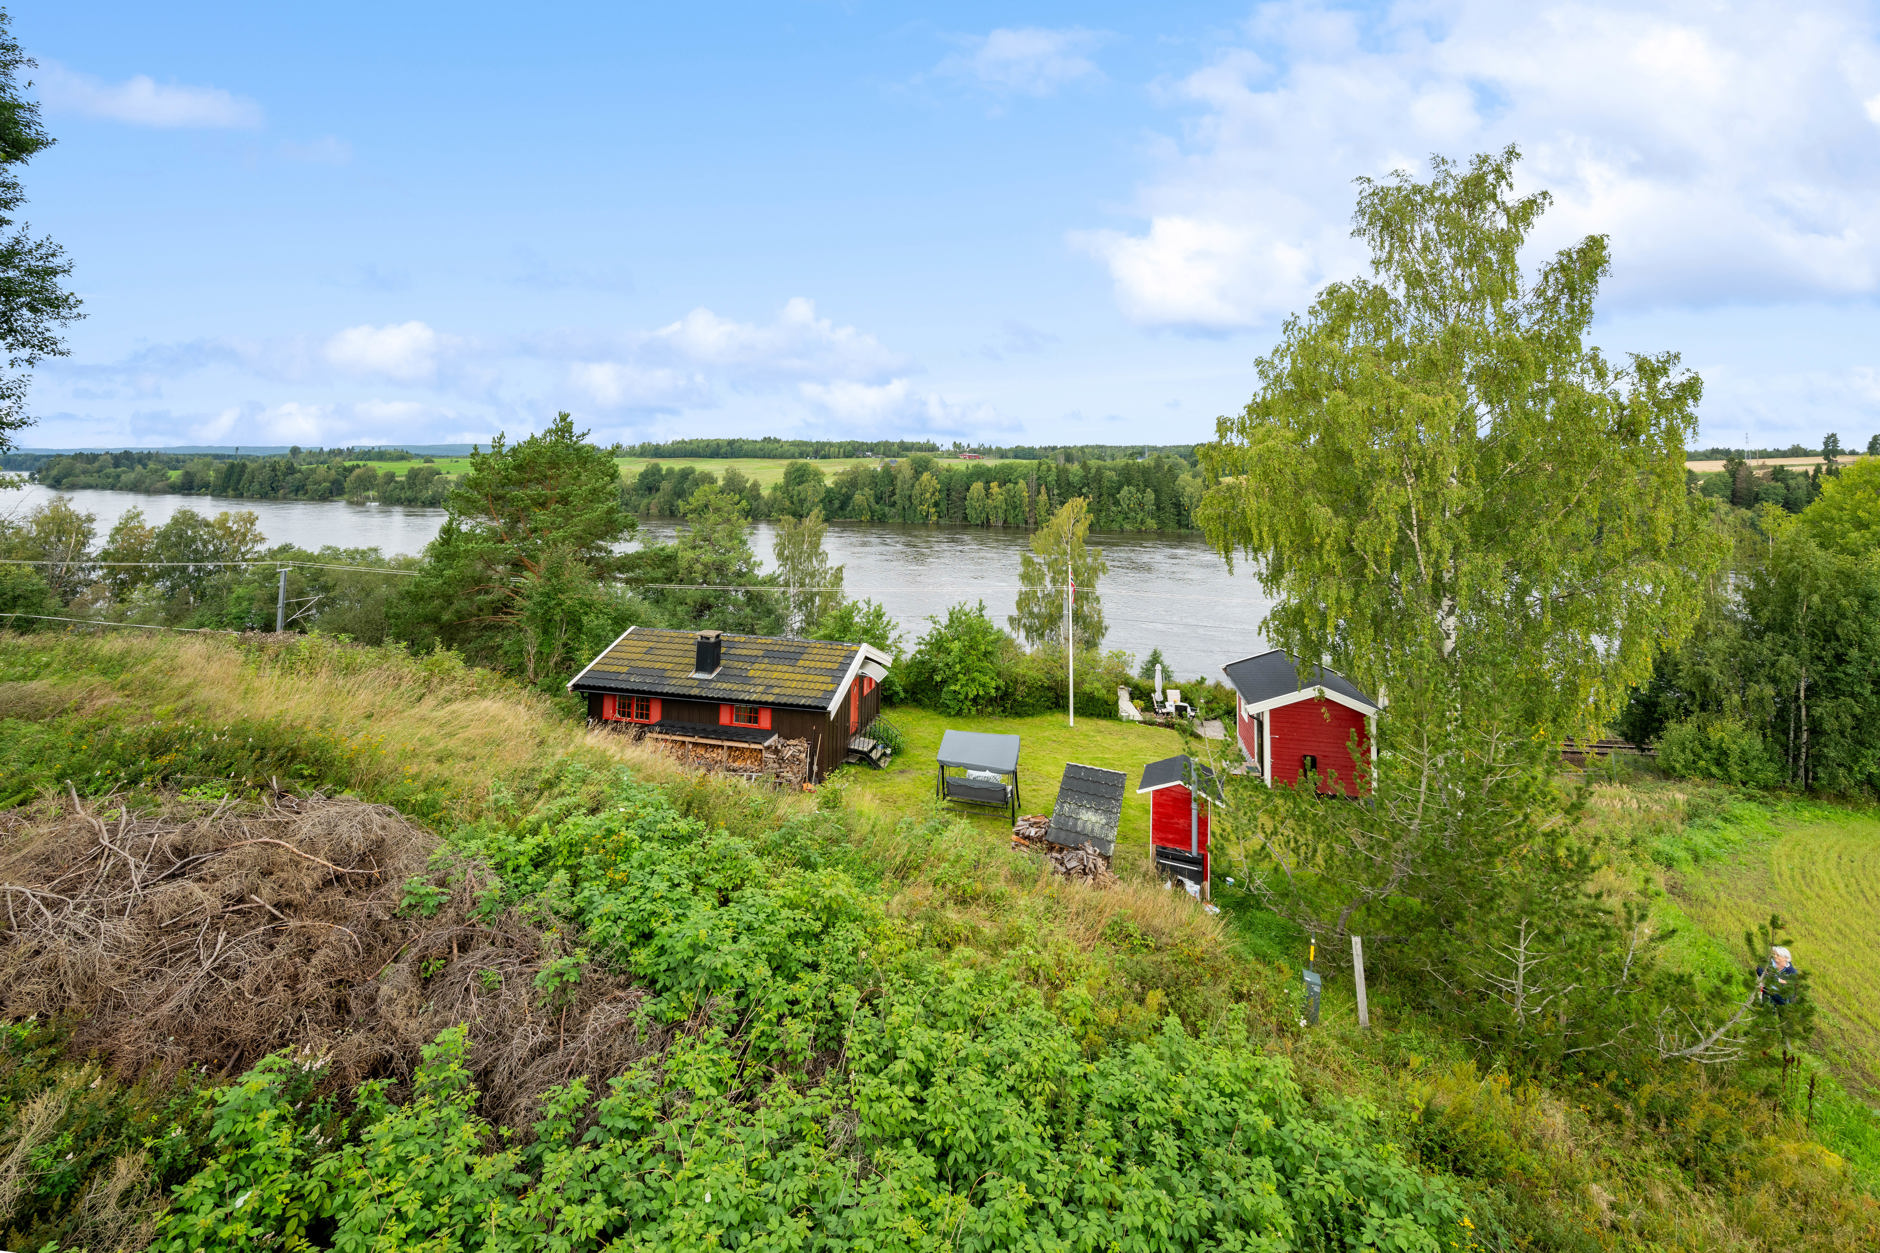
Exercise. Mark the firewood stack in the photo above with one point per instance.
(1029, 833)
(787, 761)
(1084, 862)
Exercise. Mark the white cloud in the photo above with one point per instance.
(405, 353)
(1029, 60)
(857, 402)
(617, 385)
(1727, 149)
(314, 424)
(142, 101)
(796, 344)
(692, 360)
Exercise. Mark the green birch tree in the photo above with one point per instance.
(1453, 497)
(1059, 550)
(815, 585)
(1461, 504)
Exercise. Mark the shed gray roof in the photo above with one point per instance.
(1275, 673)
(976, 750)
(1182, 769)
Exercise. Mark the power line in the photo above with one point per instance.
(296, 565)
(141, 626)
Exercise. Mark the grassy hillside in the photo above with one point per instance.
(696, 1013)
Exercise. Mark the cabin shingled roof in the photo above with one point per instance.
(752, 669)
(1274, 673)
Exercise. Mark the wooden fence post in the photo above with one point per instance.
(1357, 974)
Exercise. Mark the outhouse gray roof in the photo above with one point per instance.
(977, 750)
(1184, 770)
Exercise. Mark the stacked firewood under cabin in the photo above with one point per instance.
(784, 761)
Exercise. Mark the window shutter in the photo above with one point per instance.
(724, 715)
(607, 708)
(763, 717)
(655, 711)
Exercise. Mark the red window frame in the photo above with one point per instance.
(747, 716)
(630, 708)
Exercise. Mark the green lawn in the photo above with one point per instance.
(1048, 744)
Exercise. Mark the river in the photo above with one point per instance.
(1163, 591)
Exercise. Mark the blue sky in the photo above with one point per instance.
(1044, 223)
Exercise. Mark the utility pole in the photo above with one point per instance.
(280, 604)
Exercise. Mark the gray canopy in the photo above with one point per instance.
(975, 750)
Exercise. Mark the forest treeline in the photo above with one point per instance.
(1157, 494)
(301, 474)
(1793, 488)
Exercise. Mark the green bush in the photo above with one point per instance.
(22, 591)
(961, 1112)
(1717, 748)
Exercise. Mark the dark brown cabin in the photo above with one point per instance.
(737, 693)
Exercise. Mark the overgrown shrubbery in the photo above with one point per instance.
(829, 1083)
(1718, 748)
(965, 664)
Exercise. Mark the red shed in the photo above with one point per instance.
(1181, 793)
(1292, 721)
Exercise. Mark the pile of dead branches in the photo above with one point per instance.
(212, 936)
(1084, 862)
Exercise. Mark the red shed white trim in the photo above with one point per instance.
(1288, 724)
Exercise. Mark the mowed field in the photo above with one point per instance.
(1822, 875)
(445, 465)
(765, 470)
(1763, 463)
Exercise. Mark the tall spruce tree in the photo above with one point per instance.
(34, 303)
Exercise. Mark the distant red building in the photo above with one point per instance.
(1290, 727)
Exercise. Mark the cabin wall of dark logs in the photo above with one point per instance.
(826, 734)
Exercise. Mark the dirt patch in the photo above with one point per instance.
(212, 936)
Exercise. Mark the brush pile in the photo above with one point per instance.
(1084, 863)
(211, 936)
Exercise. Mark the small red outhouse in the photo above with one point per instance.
(1293, 721)
(1181, 793)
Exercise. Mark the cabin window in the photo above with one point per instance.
(1309, 764)
(636, 708)
(746, 716)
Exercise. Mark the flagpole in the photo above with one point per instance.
(1070, 636)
